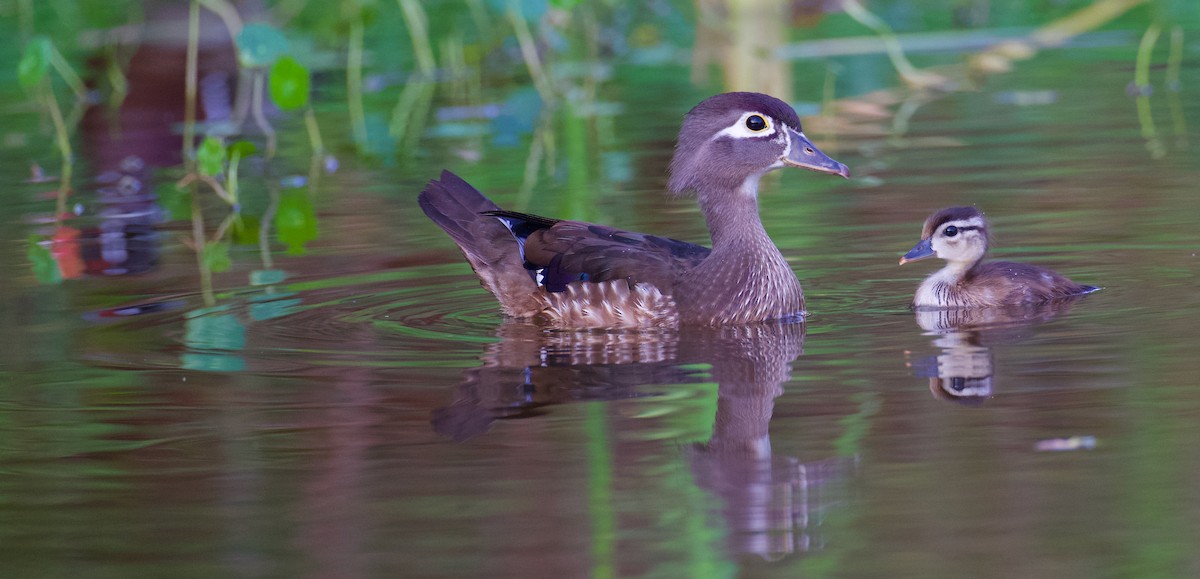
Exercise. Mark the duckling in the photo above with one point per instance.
(570, 274)
(959, 235)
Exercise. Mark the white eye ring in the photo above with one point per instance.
(740, 130)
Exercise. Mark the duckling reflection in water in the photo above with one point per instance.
(959, 235)
(964, 370)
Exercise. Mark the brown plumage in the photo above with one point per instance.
(582, 275)
(959, 235)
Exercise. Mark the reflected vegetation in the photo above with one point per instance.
(221, 302)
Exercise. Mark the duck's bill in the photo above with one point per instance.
(918, 252)
(806, 155)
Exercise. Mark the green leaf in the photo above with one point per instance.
(45, 269)
(289, 84)
(35, 62)
(245, 230)
(259, 45)
(211, 155)
(295, 221)
(177, 201)
(242, 149)
(215, 255)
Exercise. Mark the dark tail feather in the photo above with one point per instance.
(456, 207)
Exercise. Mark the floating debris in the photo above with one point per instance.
(1066, 444)
(1024, 98)
(38, 175)
(293, 181)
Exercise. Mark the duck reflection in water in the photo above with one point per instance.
(964, 371)
(766, 500)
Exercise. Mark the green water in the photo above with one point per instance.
(361, 409)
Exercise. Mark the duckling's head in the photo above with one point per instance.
(728, 141)
(955, 234)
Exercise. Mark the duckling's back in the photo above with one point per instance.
(1002, 283)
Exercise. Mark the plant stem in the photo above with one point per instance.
(189, 149)
(859, 13)
(224, 226)
(1141, 80)
(354, 58)
(1174, 63)
(418, 29)
(68, 74)
(828, 94)
(64, 148)
(260, 118)
(1141, 71)
(264, 229)
(529, 51)
(189, 103)
(191, 178)
(206, 289)
(231, 178)
(314, 132)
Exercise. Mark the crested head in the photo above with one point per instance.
(955, 234)
(728, 141)
(719, 107)
(944, 216)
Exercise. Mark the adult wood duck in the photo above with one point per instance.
(581, 275)
(959, 235)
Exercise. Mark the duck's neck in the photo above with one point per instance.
(745, 278)
(732, 217)
(956, 271)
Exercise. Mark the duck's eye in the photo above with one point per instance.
(756, 123)
(950, 231)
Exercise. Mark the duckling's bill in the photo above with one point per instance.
(919, 251)
(806, 155)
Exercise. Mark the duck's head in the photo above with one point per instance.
(955, 234)
(728, 141)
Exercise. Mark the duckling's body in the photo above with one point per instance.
(959, 235)
(580, 275)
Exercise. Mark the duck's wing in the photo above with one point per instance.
(558, 252)
(1025, 283)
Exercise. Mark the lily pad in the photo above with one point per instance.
(215, 255)
(35, 62)
(176, 200)
(289, 84)
(242, 149)
(260, 45)
(211, 156)
(245, 230)
(45, 269)
(295, 221)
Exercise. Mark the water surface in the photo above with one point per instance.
(371, 414)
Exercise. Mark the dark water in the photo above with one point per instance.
(372, 415)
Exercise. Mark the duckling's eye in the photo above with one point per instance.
(755, 123)
(950, 231)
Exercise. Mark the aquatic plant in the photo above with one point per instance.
(33, 73)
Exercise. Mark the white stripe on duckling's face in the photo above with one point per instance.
(751, 125)
(960, 241)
